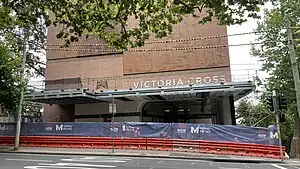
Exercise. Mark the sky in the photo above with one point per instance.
(243, 65)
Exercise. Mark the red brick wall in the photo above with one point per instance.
(128, 70)
(66, 64)
(157, 61)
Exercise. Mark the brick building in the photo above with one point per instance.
(184, 77)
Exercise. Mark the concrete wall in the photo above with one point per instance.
(59, 113)
(225, 111)
(117, 119)
(202, 121)
(103, 108)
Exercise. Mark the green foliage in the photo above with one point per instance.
(274, 54)
(32, 109)
(13, 31)
(296, 36)
(9, 88)
(258, 114)
(250, 114)
(108, 19)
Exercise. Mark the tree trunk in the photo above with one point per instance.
(295, 144)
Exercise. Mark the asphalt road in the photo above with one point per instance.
(37, 161)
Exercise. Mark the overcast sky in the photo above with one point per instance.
(243, 65)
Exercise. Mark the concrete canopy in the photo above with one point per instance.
(189, 92)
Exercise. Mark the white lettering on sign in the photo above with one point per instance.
(194, 130)
(63, 127)
(179, 82)
(181, 131)
(274, 135)
(2, 127)
(261, 135)
(199, 129)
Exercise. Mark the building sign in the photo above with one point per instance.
(179, 82)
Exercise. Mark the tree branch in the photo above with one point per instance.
(38, 71)
(201, 8)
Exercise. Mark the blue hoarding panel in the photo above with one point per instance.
(153, 130)
(7, 129)
(223, 133)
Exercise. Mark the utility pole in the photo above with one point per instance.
(275, 105)
(294, 64)
(19, 112)
(113, 124)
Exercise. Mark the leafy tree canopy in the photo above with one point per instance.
(274, 54)
(108, 19)
(13, 31)
(9, 81)
(258, 115)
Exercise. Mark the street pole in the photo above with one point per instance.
(113, 124)
(294, 64)
(277, 123)
(19, 112)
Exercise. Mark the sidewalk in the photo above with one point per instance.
(140, 153)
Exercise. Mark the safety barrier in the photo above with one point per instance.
(197, 146)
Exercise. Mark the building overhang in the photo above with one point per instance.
(201, 91)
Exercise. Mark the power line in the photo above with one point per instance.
(167, 41)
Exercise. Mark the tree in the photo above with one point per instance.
(273, 52)
(13, 32)
(297, 36)
(108, 19)
(9, 80)
(250, 114)
(258, 115)
(32, 109)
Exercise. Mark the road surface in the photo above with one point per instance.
(38, 161)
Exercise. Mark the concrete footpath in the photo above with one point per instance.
(143, 153)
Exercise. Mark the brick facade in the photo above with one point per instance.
(154, 64)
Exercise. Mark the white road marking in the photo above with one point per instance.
(78, 165)
(95, 161)
(228, 168)
(88, 158)
(28, 160)
(169, 159)
(68, 166)
(56, 167)
(32, 154)
(246, 166)
(277, 166)
(106, 158)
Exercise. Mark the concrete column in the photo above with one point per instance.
(232, 110)
(225, 111)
